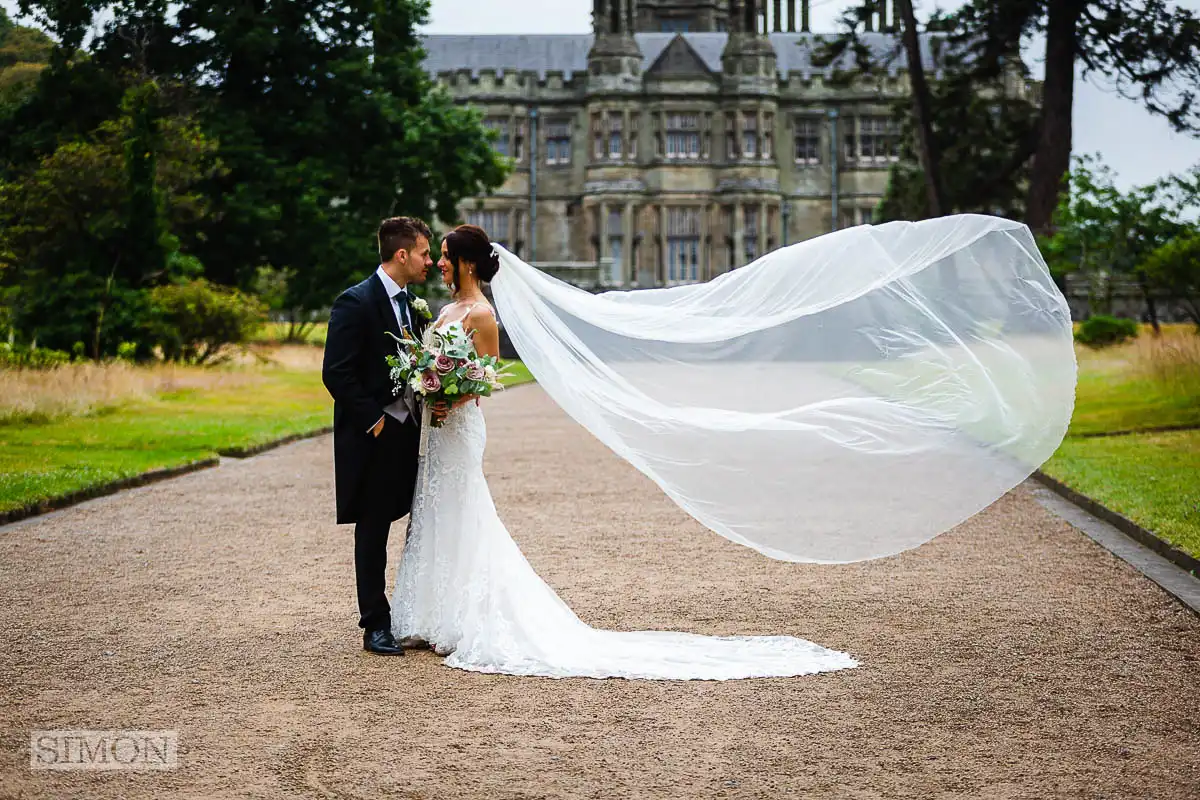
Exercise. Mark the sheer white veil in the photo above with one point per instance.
(841, 399)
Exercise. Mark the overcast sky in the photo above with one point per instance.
(1139, 146)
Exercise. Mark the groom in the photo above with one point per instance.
(376, 435)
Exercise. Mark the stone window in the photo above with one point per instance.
(616, 241)
(608, 136)
(494, 222)
(857, 215)
(683, 245)
(808, 140)
(876, 140)
(518, 149)
(767, 136)
(750, 243)
(502, 144)
(616, 139)
(558, 142)
(749, 135)
(683, 136)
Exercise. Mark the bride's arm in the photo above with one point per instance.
(484, 331)
(485, 334)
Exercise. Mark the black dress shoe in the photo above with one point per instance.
(381, 643)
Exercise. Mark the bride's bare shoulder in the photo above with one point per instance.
(482, 315)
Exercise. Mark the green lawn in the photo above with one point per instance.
(1116, 402)
(518, 373)
(1152, 478)
(43, 461)
(40, 462)
(275, 332)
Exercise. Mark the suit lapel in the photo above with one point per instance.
(383, 304)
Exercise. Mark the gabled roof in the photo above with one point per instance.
(679, 59)
(567, 53)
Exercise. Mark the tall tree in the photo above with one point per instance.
(1106, 233)
(24, 53)
(922, 109)
(324, 117)
(84, 235)
(1148, 49)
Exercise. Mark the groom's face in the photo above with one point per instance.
(415, 262)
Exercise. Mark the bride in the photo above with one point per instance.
(845, 398)
(465, 589)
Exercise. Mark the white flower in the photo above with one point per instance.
(489, 374)
(435, 343)
(421, 307)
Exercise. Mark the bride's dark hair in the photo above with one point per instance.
(471, 244)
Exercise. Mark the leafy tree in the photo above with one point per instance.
(322, 115)
(85, 233)
(1149, 49)
(326, 121)
(1176, 268)
(24, 53)
(959, 130)
(1105, 232)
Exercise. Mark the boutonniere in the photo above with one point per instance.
(421, 307)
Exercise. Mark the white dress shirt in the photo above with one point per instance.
(397, 410)
(393, 289)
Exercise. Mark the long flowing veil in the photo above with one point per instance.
(841, 399)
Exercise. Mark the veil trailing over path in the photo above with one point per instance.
(841, 399)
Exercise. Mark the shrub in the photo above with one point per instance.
(15, 357)
(1102, 331)
(193, 321)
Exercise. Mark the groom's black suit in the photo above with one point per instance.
(376, 476)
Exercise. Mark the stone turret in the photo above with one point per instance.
(615, 61)
(748, 62)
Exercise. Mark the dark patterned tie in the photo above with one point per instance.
(402, 301)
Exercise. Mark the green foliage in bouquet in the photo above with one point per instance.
(444, 367)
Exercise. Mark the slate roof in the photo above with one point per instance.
(567, 53)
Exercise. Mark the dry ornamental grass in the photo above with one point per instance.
(31, 396)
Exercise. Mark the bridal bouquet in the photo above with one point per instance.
(443, 367)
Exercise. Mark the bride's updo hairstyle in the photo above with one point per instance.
(471, 244)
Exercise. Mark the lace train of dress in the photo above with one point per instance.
(464, 585)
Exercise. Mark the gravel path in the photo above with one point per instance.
(1009, 658)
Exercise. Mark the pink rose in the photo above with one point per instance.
(443, 364)
(476, 372)
(430, 382)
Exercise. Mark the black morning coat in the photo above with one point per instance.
(355, 372)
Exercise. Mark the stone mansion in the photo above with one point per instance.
(682, 139)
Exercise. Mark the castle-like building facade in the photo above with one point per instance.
(680, 140)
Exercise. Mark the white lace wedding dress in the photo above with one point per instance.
(463, 585)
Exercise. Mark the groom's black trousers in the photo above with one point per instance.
(386, 497)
